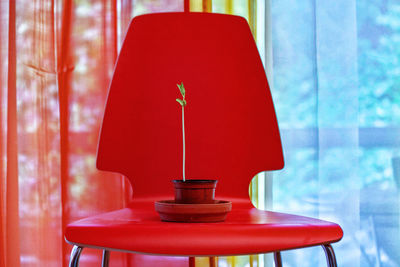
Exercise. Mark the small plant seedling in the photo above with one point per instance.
(183, 103)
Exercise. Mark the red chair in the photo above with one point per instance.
(231, 134)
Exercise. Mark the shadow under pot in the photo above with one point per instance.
(195, 191)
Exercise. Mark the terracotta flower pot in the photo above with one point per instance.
(195, 191)
(194, 202)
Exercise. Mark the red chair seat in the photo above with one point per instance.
(246, 231)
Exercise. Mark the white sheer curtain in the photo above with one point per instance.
(335, 69)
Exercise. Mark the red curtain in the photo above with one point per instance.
(56, 60)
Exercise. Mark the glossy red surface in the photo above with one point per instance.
(245, 231)
(231, 130)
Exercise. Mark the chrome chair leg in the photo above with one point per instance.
(75, 254)
(278, 259)
(330, 255)
(106, 258)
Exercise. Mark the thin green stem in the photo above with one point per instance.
(183, 135)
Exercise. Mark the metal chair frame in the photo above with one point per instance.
(77, 250)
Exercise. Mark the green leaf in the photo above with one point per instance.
(181, 89)
(182, 102)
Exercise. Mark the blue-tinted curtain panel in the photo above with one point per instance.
(336, 87)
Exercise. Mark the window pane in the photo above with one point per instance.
(378, 26)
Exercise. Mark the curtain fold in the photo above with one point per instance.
(337, 118)
(64, 68)
(3, 136)
(12, 193)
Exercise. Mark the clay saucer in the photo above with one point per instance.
(193, 213)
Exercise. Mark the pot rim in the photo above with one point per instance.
(196, 181)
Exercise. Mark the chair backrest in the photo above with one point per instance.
(231, 128)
